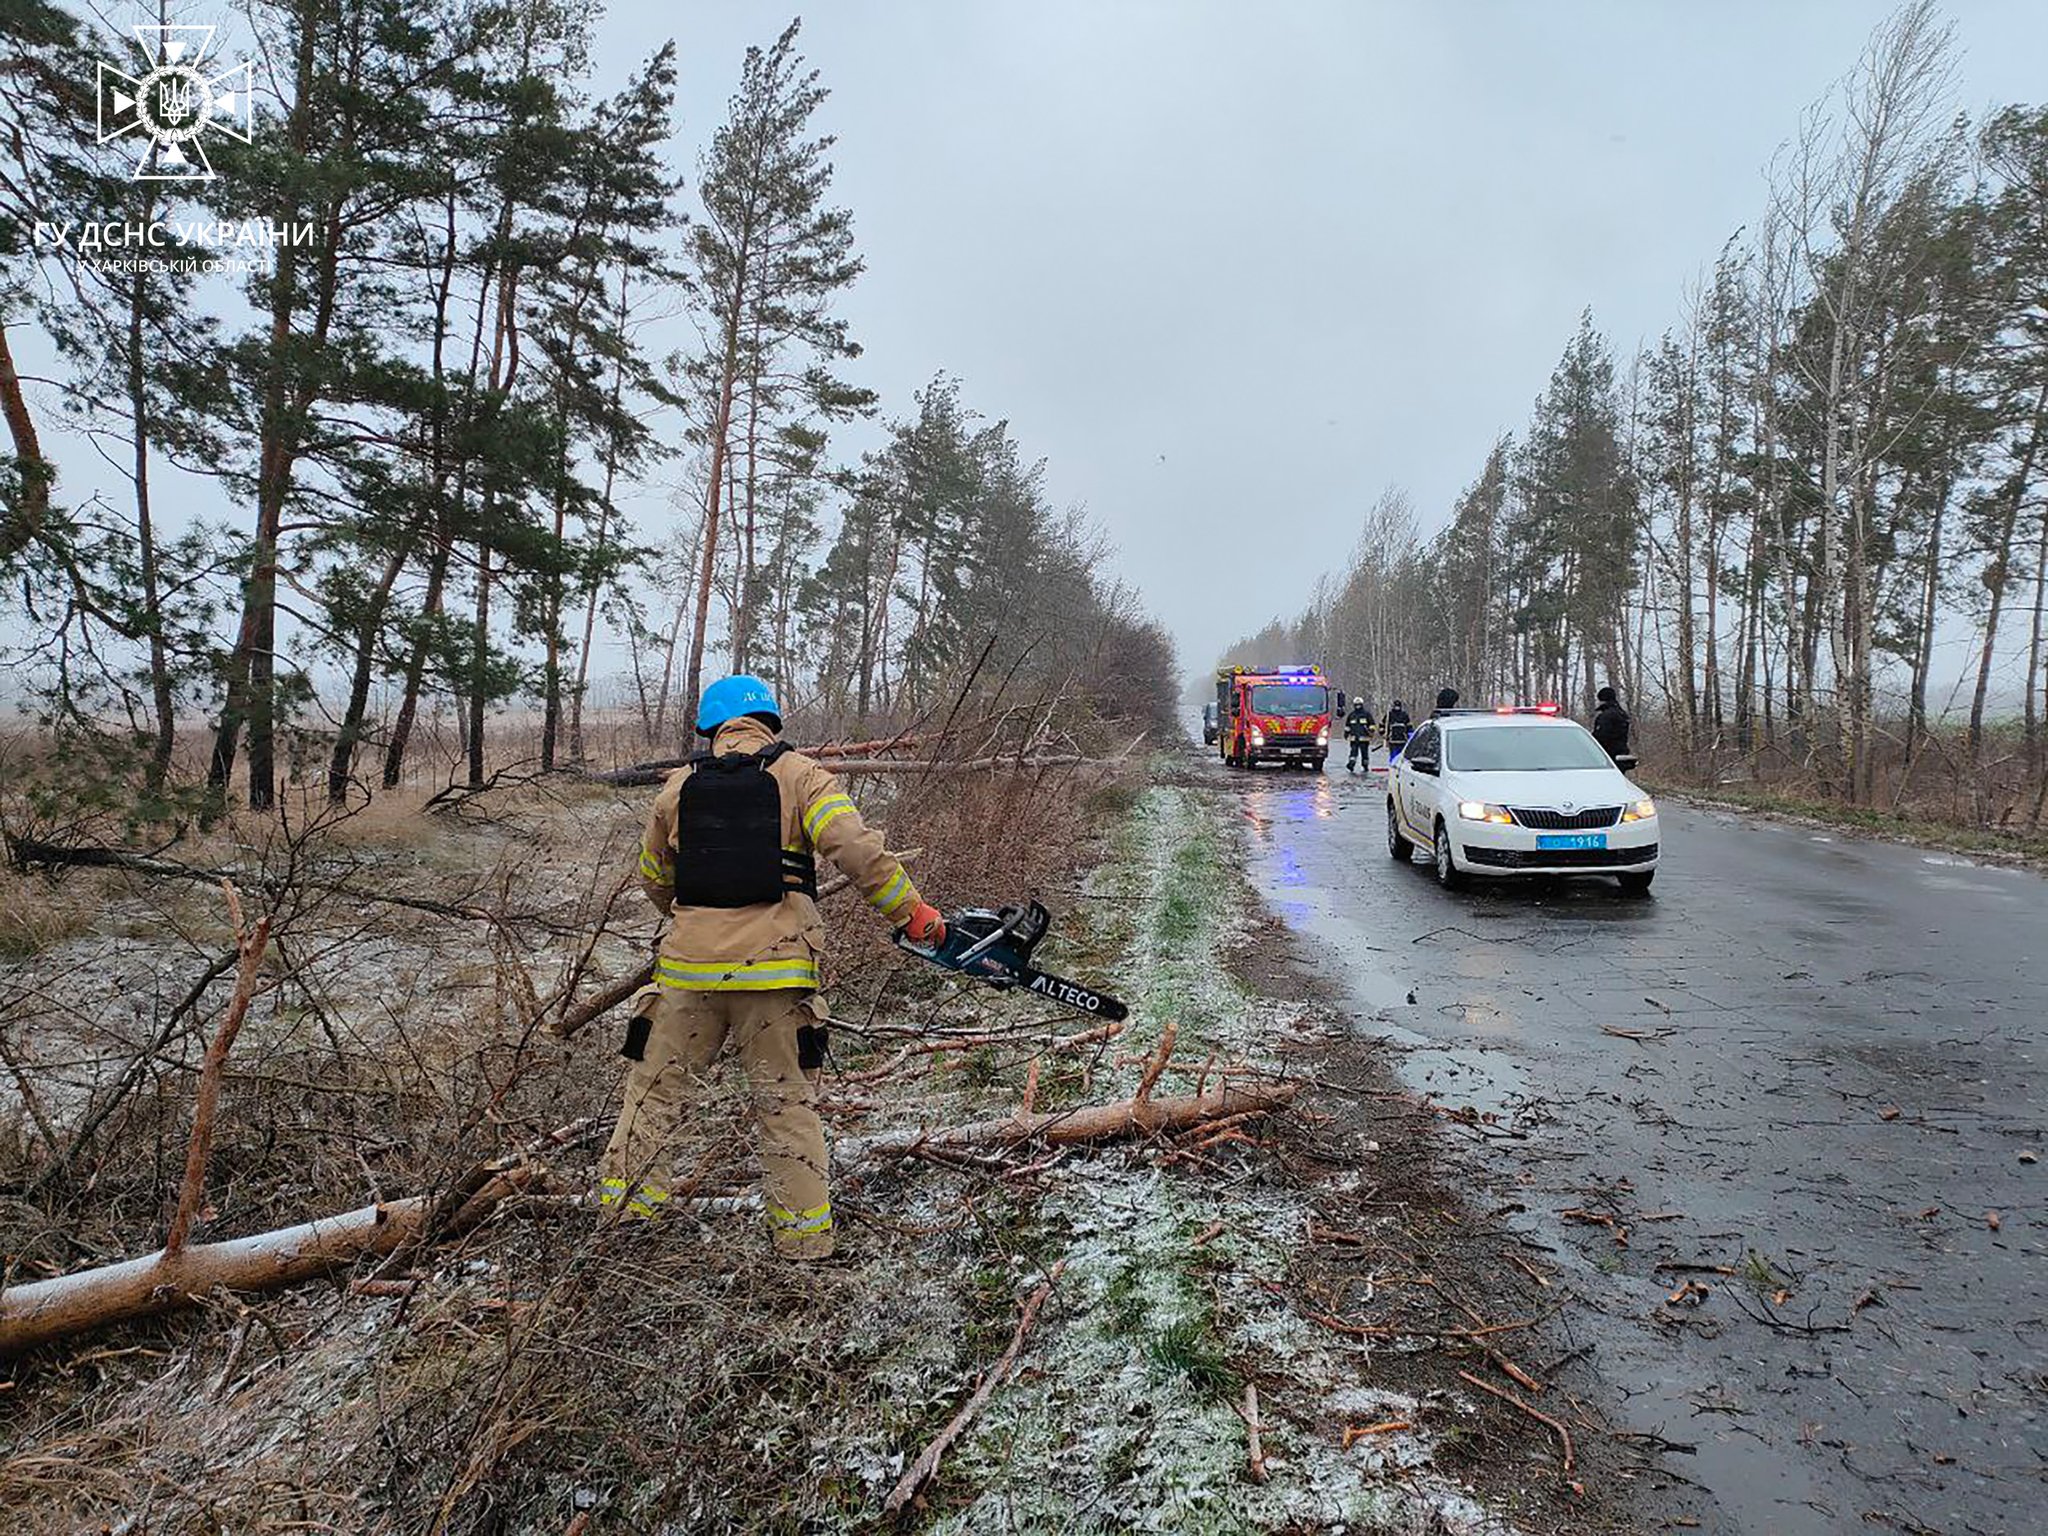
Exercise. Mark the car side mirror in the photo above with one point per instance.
(1340, 701)
(1423, 764)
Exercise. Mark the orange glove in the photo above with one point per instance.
(926, 927)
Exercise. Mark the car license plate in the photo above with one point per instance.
(1290, 751)
(1571, 840)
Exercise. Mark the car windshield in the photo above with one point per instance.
(1522, 749)
(1290, 699)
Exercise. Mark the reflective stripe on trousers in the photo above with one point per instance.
(800, 1223)
(642, 1201)
(789, 971)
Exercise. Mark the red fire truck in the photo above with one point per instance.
(1274, 715)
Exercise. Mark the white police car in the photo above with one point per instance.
(1518, 792)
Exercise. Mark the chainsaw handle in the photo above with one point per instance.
(982, 945)
(905, 942)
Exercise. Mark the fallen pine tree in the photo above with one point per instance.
(629, 778)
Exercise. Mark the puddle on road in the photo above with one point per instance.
(1464, 1078)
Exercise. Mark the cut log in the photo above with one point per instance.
(1096, 1122)
(171, 1280)
(167, 1282)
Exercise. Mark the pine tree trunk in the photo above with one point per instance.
(604, 510)
(161, 701)
(743, 610)
(2037, 679)
(1998, 572)
(416, 669)
(480, 656)
(341, 765)
(31, 510)
(551, 662)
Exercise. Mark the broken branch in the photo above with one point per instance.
(1101, 1122)
(926, 1466)
(1564, 1435)
(249, 946)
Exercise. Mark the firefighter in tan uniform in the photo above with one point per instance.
(730, 854)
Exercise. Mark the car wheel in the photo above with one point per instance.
(1315, 765)
(1637, 882)
(1447, 873)
(1399, 849)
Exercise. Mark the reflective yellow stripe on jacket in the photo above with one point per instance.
(654, 868)
(894, 894)
(820, 816)
(737, 975)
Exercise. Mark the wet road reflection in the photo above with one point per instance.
(1817, 1050)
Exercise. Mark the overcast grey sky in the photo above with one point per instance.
(1233, 268)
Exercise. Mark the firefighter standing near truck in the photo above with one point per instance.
(1358, 731)
(730, 857)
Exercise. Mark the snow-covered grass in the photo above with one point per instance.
(1125, 1416)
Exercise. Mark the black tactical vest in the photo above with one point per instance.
(728, 850)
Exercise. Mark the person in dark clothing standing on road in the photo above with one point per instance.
(1398, 726)
(1611, 723)
(1446, 698)
(1358, 731)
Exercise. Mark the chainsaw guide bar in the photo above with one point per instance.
(995, 947)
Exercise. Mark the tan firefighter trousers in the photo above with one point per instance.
(686, 1032)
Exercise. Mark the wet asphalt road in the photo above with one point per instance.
(1846, 1075)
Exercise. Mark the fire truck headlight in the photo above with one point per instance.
(1258, 737)
(1323, 737)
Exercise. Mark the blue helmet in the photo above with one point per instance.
(731, 697)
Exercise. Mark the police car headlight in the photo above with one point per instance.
(1642, 810)
(1481, 810)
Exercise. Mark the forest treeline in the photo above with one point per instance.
(418, 427)
(1771, 527)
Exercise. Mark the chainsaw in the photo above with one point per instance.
(995, 947)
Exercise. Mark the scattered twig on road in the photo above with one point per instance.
(1778, 1324)
(1640, 1036)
